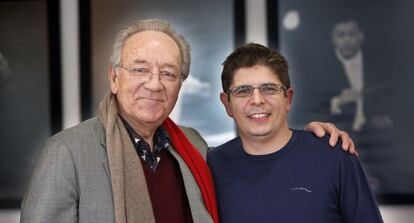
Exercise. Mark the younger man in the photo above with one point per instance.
(271, 172)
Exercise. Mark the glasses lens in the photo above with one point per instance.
(168, 76)
(242, 91)
(140, 72)
(270, 89)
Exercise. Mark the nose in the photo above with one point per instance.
(153, 82)
(257, 97)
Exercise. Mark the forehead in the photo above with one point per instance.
(346, 27)
(255, 75)
(150, 46)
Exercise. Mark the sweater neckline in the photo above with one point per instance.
(285, 149)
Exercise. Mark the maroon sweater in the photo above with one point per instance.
(167, 192)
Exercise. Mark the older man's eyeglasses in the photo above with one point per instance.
(146, 73)
(265, 89)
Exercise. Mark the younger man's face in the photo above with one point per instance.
(257, 115)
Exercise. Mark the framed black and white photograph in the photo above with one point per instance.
(351, 64)
(30, 109)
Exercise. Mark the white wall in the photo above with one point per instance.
(397, 214)
(9, 216)
(69, 32)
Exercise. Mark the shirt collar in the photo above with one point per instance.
(355, 59)
(160, 136)
(161, 141)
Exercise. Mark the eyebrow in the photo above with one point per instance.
(265, 83)
(140, 61)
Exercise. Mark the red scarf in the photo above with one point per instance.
(197, 165)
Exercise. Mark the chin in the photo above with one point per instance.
(149, 118)
(155, 120)
(259, 133)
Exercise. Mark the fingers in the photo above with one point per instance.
(333, 131)
(346, 140)
(348, 143)
(353, 150)
(316, 128)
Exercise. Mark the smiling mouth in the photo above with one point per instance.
(259, 115)
(152, 99)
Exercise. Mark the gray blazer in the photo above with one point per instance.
(71, 182)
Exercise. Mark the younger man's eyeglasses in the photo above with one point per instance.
(265, 89)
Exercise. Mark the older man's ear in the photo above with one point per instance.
(113, 79)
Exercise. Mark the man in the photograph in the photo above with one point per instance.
(347, 38)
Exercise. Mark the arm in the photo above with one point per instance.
(320, 128)
(51, 195)
(356, 201)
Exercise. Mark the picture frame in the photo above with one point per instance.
(30, 90)
(305, 33)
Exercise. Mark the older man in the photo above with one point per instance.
(131, 163)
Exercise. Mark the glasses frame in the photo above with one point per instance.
(148, 74)
(281, 89)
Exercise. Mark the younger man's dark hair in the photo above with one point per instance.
(249, 55)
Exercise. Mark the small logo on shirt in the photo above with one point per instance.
(302, 189)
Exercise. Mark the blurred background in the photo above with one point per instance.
(350, 64)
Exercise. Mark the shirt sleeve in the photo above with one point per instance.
(356, 200)
(51, 195)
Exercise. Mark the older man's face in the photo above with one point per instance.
(147, 100)
(347, 38)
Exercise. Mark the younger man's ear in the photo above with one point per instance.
(289, 98)
(224, 98)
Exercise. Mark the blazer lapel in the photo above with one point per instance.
(105, 163)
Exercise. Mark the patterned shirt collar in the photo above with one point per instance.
(161, 141)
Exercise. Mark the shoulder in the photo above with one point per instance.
(319, 148)
(190, 132)
(196, 139)
(87, 129)
(86, 137)
(63, 151)
(317, 156)
(309, 137)
(61, 168)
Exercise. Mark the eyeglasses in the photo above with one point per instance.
(265, 89)
(146, 73)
